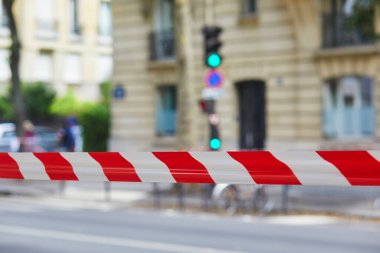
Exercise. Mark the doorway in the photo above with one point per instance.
(252, 116)
(166, 110)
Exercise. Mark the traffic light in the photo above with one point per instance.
(207, 106)
(213, 80)
(212, 59)
(215, 142)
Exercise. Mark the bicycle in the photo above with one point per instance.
(232, 198)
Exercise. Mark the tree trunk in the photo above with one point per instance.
(14, 62)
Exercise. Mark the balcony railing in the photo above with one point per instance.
(162, 45)
(338, 31)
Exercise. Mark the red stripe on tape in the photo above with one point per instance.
(9, 167)
(57, 167)
(359, 167)
(116, 167)
(185, 168)
(264, 168)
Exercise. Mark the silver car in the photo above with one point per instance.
(8, 138)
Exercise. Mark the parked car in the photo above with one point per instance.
(46, 138)
(8, 138)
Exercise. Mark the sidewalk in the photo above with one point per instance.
(351, 201)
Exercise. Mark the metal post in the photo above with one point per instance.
(107, 191)
(209, 12)
(157, 195)
(180, 194)
(285, 198)
(206, 195)
(62, 187)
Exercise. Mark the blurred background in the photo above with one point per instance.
(189, 75)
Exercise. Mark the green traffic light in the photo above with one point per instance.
(214, 60)
(215, 144)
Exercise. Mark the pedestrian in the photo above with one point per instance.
(28, 142)
(77, 133)
(66, 141)
(66, 138)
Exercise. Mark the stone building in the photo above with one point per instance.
(65, 43)
(296, 71)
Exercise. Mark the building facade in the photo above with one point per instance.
(297, 73)
(65, 43)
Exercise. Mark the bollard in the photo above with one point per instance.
(107, 191)
(157, 195)
(180, 195)
(285, 198)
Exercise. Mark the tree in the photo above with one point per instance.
(14, 62)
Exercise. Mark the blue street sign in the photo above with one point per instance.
(119, 92)
(214, 79)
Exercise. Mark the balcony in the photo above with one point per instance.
(162, 45)
(339, 31)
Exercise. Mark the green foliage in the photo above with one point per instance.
(95, 121)
(68, 105)
(6, 111)
(38, 98)
(105, 89)
(93, 117)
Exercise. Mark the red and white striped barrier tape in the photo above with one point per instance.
(340, 168)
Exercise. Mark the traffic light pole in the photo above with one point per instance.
(210, 105)
(209, 12)
(213, 80)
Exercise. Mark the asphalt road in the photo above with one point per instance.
(64, 226)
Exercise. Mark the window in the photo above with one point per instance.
(74, 18)
(162, 38)
(105, 19)
(5, 72)
(164, 15)
(349, 110)
(366, 92)
(3, 17)
(166, 111)
(73, 69)
(44, 67)
(45, 13)
(249, 7)
(104, 68)
(348, 23)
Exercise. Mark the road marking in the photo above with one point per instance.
(106, 240)
(301, 220)
(18, 208)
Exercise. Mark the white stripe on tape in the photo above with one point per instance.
(375, 154)
(223, 168)
(85, 167)
(149, 168)
(30, 166)
(311, 169)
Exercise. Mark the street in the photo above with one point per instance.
(29, 225)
